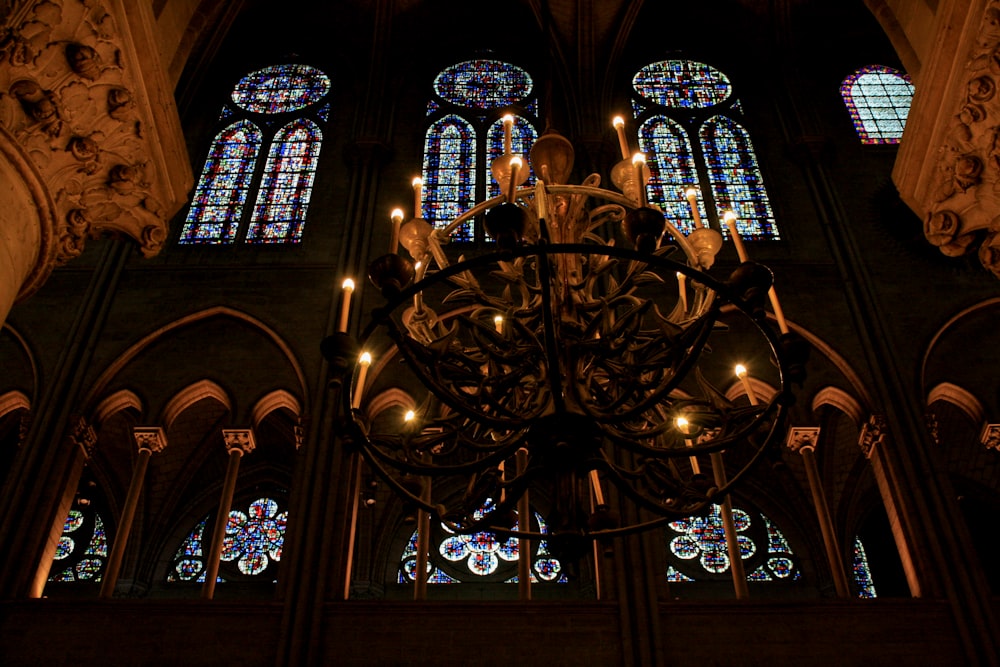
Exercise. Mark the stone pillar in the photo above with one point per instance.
(238, 442)
(149, 439)
(804, 441)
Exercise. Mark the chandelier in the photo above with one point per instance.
(588, 361)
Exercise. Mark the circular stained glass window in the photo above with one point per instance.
(281, 88)
(682, 84)
(483, 84)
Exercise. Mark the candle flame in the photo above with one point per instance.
(741, 371)
(508, 118)
(618, 121)
(691, 193)
(417, 181)
(409, 416)
(348, 285)
(681, 423)
(516, 161)
(639, 158)
(365, 359)
(728, 217)
(396, 215)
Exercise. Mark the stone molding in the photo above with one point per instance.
(801, 438)
(82, 435)
(239, 438)
(990, 436)
(76, 99)
(152, 438)
(872, 434)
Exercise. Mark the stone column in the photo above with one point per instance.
(238, 442)
(149, 439)
(804, 441)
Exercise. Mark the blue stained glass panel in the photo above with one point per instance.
(84, 553)
(672, 170)
(522, 138)
(682, 84)
(483, 84)
(735, 178)
(878, 99)
(281, 88)
(449, 173)
(217, 205)
(283, 197)
(862, 572)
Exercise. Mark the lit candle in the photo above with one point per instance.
(508, 126)
(692, 197)
(682, 290)
(682, 426)
(418, 297)
(595, 484)
(409, 416)
(619, 124)
(639, 163)
(345, 304)
(515, 167)
(540, 202)
(417, 203)
(364, 361)
(741, 373)
(397, 220)
(779, 314)
(730, 219)
(498, 323)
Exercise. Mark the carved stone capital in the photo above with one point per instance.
(79, 99)
(801, 438)
(872, 434)
(151, 438)
(990, 436)
(82, 435)
(239, 438)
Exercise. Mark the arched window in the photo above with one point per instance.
(878, 99)
(465, 133)
(719, 163)
(82, 549)
(698, 548)
(862, 573)
(484, 557)
(291, 98)
(251, 548)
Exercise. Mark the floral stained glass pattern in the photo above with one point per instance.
(878, 99)
(82, 549)
(862, 572)
(449, 173)
(523, 136)
(287, 184)
(281, 89)
(735, 178)
(221, 193)
(672, 170)
(483, 84)
(682, 84)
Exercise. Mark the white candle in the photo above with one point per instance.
(540, 200)
(397, 220)
(498, 323)
(619, 124)
(595, 484)
(741, 373)
(692, 197)
(417, 203)
(508, 126)
(418, 297)
(730, 219)
(682, 290)
(345, 304)
(515, 168)
(364, 361)
(682, 426)
(639, 163)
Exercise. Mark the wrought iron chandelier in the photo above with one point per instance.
(563, 365)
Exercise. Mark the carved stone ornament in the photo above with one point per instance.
(991, 436)
(872, 434)
(151, 438)
(239, 438)
(82, 435)
(801, 438)
(67, 101)
(965, 205)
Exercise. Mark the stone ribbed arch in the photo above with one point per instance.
(115, 403)
(840, 400)
(193, 393)
(960, 398)
(13, 400)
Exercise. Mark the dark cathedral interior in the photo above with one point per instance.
(186, 185)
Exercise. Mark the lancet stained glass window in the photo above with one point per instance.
(698, 548)
(465, 134)
(673, 98)
(862, 572)
(878, 99)
(291, 98)
(251, 547)
(483, 556)
(82, 549)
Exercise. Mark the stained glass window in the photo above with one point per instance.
(286, 187)
(878, 99)
(217, 206)
(252, 545)
(465, 134)
(82, 549)
(735, 177)
(862, 573)
(482, 556)
(698, 548)
(291, 98)
(671, 99)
